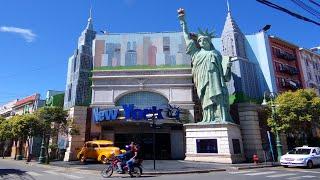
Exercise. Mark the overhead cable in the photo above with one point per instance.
(275, 6)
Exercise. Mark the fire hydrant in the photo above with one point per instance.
(255, 159)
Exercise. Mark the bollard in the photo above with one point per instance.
(255, 159)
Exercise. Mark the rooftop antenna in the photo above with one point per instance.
(228, 6)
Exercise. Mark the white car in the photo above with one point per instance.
(301, 156)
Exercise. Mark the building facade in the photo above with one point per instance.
(28, 105)
(310, 66)
(6, 110)
(135, 74)
(286, 63)
(244, 71)
(78, 92)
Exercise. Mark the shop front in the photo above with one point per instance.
(129, 122)
(121, 101)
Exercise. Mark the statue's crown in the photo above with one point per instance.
(205, 34)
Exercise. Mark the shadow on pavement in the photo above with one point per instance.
(8, 174)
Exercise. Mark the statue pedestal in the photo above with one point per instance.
(220, 143)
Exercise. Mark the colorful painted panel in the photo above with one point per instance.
(152, 49)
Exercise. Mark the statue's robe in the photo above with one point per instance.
(209, 77)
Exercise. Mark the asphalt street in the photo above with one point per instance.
(13, 170)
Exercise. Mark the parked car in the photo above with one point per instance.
(301, 156)
(100, 150)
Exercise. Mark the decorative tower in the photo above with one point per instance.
(243, 71)
(80, 64)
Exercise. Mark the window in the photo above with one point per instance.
(309, 76)
(75, 64)
(94, 145)
(88, 145)
(207, 146)
(236, 146)
(314, 151)
(300, 151)
(69, 93)
(105, 145)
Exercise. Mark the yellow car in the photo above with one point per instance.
(100, 150)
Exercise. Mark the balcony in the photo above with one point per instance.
(288, 69)
(285, 55)
(290, 84)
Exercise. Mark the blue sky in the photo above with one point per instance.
(37, 37)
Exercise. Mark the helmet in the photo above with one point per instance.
(128, 147)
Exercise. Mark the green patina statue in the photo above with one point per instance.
(210, 73)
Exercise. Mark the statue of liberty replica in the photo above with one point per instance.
(216, 138)
(210, 73)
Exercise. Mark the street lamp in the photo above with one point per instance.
(42, 158)
(272, 96)
(152, 117)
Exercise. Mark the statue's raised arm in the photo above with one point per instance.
(183, 23)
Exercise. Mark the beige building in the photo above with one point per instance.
(310, 65)
(6, 110)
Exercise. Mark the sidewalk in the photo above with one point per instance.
(161, 166)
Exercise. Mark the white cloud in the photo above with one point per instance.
(27, 34)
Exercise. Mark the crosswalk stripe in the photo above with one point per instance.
(63, 174)
(300, 177)
(281, 175)
(308, 176)
(305, 171)
(33, 173)
(240, 172)
(260, 173)
(52, 172)
(71, 176)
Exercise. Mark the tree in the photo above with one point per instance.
(24, 127)
(54, 120)
(5, 134)
(296, 113)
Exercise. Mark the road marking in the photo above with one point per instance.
(240, 172)
(308, 176)
(305, 171)
(52, 172)
(301, 177)
(63, 174)
(281, 175)
(33, 173)
(71, 176)
(260, 173)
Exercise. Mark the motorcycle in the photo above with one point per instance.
(108, 170)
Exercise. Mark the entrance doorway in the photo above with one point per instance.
(144, 140)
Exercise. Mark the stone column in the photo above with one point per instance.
(250, 130)
(75, 142)
(177, 144)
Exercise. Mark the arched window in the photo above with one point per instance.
(143, 99)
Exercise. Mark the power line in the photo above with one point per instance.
(314, 2)
(275, 6)
(307, 8)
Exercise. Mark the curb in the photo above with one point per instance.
(144, 173)
(255, 167)
(183, 172)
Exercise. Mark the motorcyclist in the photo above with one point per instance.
(124, 158)
(134, 151)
